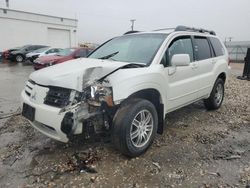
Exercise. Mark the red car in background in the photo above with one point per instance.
(62, 56)
(6, 53)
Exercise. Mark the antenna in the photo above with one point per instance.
(132, 22)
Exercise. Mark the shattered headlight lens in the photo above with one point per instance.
(93, 95)
(99, 94)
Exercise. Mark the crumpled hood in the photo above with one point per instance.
(75, 74)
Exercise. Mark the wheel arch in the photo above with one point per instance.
(223, 76)
(20, 54)
(155, 98)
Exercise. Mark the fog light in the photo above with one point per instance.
(67, 123)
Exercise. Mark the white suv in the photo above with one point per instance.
(127, 86)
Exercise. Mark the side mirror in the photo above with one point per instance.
(180, 60)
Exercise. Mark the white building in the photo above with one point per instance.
(18, 28)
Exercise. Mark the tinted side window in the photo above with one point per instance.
(30, 48)
(217, 46)
(202, 48)
(40, 46)
(181, 45)
(50, 51)
(34, 47)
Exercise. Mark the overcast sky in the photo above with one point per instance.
(100, 20)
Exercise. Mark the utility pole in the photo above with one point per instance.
(229, 39)
(7, 3)
(132, 22)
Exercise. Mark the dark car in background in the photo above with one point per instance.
(1, 56)
(20, 54)
(62, 56)
(6, 53)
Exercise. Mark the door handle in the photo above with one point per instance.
(213, 61)
(194, 66)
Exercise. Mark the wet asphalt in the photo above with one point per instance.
(12, 82)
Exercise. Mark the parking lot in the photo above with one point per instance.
(197, 149)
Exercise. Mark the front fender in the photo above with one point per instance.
(125, 82)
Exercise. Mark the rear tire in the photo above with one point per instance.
(216, 97)
(134, 127)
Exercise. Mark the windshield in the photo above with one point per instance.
(66, 52)
(41, 50)
(140, 48)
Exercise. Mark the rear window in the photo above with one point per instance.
(217, 46)
(202, 48)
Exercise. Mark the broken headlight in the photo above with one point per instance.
(73, 98)
(99, 94)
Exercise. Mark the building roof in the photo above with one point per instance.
(38, 14)
(38, 18)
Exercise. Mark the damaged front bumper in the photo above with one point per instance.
(47, 119)
(57, 123)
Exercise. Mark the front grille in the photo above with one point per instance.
(57, 97)
(29, 87)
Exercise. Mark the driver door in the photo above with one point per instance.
(182, 81)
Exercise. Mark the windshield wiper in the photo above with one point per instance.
(109, 56)
(130, 65)
(134, 65)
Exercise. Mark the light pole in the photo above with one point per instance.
(132, 22)
(229, 39)
(7, 3)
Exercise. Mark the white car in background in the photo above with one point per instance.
(47, 51)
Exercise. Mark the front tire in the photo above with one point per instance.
(19, 58)
(134, 127)
(216, 97)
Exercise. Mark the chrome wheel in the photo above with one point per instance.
(141, 128)
(218, 94)
(19, 58)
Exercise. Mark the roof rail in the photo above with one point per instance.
(171, 28)
(200, 30)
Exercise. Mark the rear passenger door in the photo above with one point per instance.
(204, 58)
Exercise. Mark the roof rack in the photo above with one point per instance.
(200, 30)
(163, 29)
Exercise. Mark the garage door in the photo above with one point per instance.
(59, 38)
